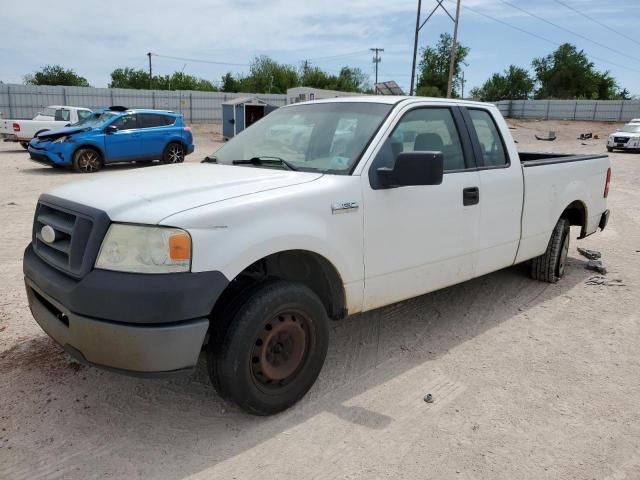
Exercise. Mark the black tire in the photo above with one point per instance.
(87, 160)
(609, 149)
(173, 153)
(550, 266)
(280, 327)
(24, 145)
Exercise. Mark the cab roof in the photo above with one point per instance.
(390, 100)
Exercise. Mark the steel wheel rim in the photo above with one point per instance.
(280, 350)
(175, 154)
(89, 162)
(564, 252)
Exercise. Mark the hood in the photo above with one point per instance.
(53, 134)
(147, 195)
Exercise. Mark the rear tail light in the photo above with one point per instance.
(606, 185)
(16, 127)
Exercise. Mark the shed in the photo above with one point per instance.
(240, 113)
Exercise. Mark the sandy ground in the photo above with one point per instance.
(530, 380)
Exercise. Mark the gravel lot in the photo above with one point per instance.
(530, 380)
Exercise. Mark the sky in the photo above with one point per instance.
(95, 37)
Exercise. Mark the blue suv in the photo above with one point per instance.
(116, 135)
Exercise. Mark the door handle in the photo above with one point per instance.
(470, 196)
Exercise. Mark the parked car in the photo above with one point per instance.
(255, 251)
(50, 118)
(115, 136)
(626, 138)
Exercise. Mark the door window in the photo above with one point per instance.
(149, 120)
(491, 144)
(126, 122)
(82, 114)
(62, 115)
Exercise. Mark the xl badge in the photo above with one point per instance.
(344, 207)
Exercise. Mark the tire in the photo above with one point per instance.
(24, 145)
(87, 160)
(272, 349)
(173, 153)
(609, 149)
(550, 266)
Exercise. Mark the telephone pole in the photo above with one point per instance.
(150, 72)
(376, 61)
(452, 63)
(419, 27)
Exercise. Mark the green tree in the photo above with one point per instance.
(268, 76)
(129, 78)
(230, 83)
(56, 75)
(514, 84)
(433, 70)
(567, 73)
(139, 79)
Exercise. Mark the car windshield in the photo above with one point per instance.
(48, 112)
(321, 137)
(631, 128)
(98, 122)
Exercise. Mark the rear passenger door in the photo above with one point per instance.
(155, 133)
(421, 238)
(501, 191)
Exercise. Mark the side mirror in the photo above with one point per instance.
(413, 168)
(110, 129)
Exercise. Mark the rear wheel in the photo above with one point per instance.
(550, 266)
(87, 160)
(174, 153)
(273, 348)
(24, 145)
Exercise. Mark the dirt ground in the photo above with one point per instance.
(530, 380)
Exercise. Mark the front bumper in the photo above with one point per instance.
(630, 144)
(135, 323)
(49, 156)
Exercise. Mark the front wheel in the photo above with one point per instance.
(87, 160)
(174, 153)
(273, 348)
(549, 267)
(24, 145)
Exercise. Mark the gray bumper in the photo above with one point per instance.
(130, 348)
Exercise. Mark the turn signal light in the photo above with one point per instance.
(180, 246)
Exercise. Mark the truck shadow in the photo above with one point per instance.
(171, 415)
(117, 167)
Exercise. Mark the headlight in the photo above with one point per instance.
(145, 249)
(60, 139)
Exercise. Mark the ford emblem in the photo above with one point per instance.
(48, 234)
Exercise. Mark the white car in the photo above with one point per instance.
(626, 138)
(253, 253)
(51, 118)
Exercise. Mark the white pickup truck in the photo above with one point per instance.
(251, 253)
(53, 117)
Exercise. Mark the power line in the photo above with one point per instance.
(540, 37)
(594, 20)
(584, 37)
(341, 55)
(199, 60)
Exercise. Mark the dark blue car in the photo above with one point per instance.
(115, 135)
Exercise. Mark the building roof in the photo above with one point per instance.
(251, 100)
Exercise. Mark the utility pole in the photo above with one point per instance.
(376, 61)
(462, 85)
(419, 27)
(150, 72)
(454, 44)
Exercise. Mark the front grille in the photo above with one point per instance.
(78, 233)
(620, 139)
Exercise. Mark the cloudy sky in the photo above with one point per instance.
(94, 37)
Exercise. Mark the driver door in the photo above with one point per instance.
(126, 142)
(421, 238)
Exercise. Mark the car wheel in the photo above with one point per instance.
(174, 153)
(549, 267)
(24, 145)
(273, 348)
(87, 160)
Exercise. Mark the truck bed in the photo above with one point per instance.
(535, 159)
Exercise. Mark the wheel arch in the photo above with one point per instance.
(303, 266)
(577, 214)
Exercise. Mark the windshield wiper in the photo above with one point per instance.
(266, 160)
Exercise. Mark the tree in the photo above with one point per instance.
(139, 79)
(514, 84)
(55, 75)
(568, 74)
(433, 70)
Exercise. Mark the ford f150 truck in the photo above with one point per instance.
(51, 118)
(251, 254)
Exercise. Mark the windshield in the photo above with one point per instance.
(321, 137)
(97, 121)
(631, 128)
(48, 112)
